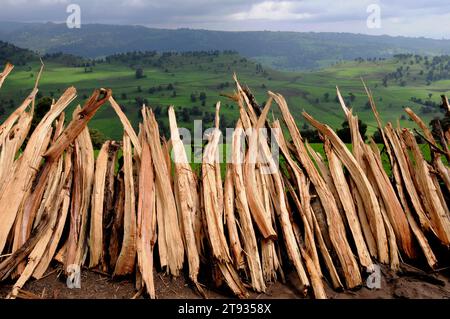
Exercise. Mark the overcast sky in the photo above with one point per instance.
(428, 18)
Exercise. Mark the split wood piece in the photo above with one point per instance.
(25, 171)
(443, 171)
(231, 222)
(302, 201)
(346, 199)
(108, 207)
(115, 241)
(232, 279)
(6, 71)
(394, 211)
(61, 222)
(25, 219)
(63, 141)
(127, 258)
(245, 221)
(146, 219)
(25, 223)
(325, 172)
(417, 231)
(269, 257)
(250, 111)
(77, 125)
(83, 176)
(312, 266)
(186, 197)
(214, 222)
(126, 125)
(429, 192)
(260, 216)
(405, 175)
(364, 187)
(334, 221)
(259, 197)
(281, 206)
(168, 224)
(392, 240)
(98, 196)
(42, 245)
(357, 141)
(10, 144)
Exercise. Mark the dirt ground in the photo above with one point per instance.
(409, 283)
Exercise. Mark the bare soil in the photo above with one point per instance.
(409, 283)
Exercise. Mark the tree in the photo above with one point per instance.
(377, 137)
(345, 135)
(98, 138)
(42, 107)
(140, 73)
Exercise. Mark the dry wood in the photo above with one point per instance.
(334, 221)
(42, 245)
(62, 217)
(421, 239)
(108, 210)
(443, 171)
(242, 207)
(24, 173)
(186, 197)
(98, 197)
(117, 226)
(127, 257)
(278, 198)
(402, 162)
(168, 223)
(127, 125)
(259, 213)
(364, 187)
(429, 192)
(146, 219)
(230, 218)
(343, 190)
(8, 68)
(211, 202)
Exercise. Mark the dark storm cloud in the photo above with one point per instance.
(411, 18)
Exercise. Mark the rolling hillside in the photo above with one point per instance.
(280, 50)
(193, 83)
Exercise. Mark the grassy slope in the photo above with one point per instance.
(204, 74)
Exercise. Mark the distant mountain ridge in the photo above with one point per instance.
(281, 50)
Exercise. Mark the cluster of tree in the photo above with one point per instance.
(139, 73)
(223, 85)
(69, 60)
(428, 106)
(15, 55)
(374, 59)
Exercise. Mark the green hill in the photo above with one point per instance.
(194, 81)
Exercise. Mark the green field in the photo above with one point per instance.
(171, 79)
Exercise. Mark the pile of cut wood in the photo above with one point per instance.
(330, 220)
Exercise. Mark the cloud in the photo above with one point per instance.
(271, 10)
(399, 17)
